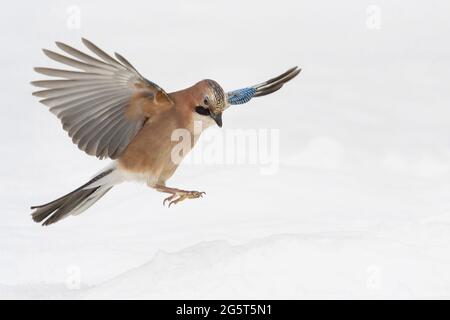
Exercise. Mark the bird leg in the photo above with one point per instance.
(178, 195)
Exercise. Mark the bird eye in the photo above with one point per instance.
(205, 101)
(201, 110)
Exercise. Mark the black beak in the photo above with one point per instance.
(217, 118)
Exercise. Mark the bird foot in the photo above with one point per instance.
(181, 195)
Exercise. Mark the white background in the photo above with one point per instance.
(360, 205)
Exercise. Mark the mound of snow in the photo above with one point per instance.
(286, 266)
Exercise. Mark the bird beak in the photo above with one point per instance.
(217, 118)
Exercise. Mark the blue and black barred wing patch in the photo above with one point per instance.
(241, 96)
(244, 95)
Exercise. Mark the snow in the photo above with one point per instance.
(357, 206)
(339, 264)
(288, 267)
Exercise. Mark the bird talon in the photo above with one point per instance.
(168, 199)
(195, 194)
(182, 195)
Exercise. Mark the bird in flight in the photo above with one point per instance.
(111, 111)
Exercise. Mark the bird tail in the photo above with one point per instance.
(78, 200)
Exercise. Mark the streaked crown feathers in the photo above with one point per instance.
(218, 94)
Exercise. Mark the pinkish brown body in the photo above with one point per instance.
(149, 153)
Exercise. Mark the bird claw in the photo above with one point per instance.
(169, 199)
(183, 195)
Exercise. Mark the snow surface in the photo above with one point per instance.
(358, 208)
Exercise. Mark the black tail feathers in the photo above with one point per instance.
(72, 203)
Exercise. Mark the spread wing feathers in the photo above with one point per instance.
(244, 95)
(92, 101)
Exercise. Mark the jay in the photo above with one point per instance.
(110, 110)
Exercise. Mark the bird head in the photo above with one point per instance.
(210, 101)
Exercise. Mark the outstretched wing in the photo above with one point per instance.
(104, 103)
(244, 95)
